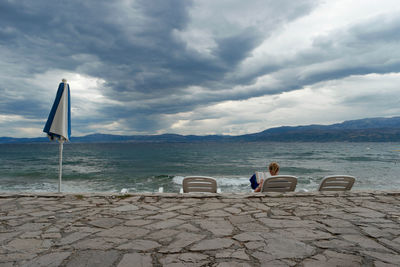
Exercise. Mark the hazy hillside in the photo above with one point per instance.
(364, 130)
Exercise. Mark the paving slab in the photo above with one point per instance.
(88, 258)
(49, 260)
(333, 259)
(98, 243)
(140, 245)
(136, 259)
(105, 222)
(183, 239)
(218, 227)
(358, 228)
(213, 244)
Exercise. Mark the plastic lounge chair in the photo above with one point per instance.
(199, 184)
(337, 183)
(280, 183)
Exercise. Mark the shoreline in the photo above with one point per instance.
(354, 228)
(244, 195)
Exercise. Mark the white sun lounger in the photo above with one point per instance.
(199, 184)
(279, 183)
(337, 183)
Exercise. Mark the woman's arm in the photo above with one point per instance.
(258, 189)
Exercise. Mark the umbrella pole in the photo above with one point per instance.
(60, 165)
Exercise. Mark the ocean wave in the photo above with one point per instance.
(221, 181)
(146, 167)
(47, 187)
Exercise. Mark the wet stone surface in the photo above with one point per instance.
(161, 229)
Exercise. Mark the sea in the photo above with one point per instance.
(146, 167)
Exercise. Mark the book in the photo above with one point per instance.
(262, 175)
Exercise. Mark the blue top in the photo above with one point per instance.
(253, 181)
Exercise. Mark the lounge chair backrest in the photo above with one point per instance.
(337, 183)
(280, 183)
(199, 184)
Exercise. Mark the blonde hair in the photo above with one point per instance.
(273, 168)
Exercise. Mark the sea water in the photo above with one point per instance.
(145, 167)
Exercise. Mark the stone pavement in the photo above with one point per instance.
(294, 229)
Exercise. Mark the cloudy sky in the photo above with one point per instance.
(197, 67)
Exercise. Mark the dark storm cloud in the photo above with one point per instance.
(137, 48)
(134, 46)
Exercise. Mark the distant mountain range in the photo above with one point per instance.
(364, 130)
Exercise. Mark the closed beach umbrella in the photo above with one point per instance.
(58, 125)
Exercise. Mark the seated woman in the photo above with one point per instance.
(273, 170)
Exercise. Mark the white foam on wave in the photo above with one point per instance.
(221, 181)
(177, 180)
(240, 181)
(69, 187)
(82, 169)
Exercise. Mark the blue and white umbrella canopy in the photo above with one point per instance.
(58, 125)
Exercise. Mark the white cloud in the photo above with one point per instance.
(115, 127)
(20, 126)
(87, 99)
(12, 118)
(299, 35)
(86, 92)
(323, 103)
